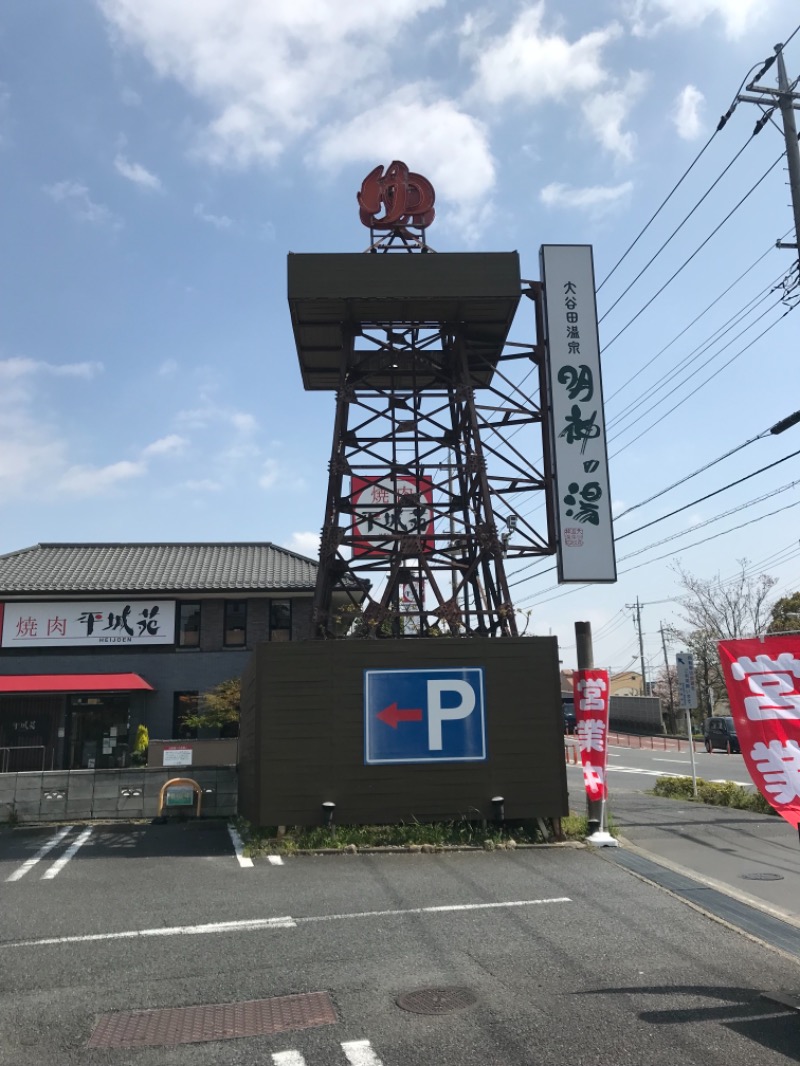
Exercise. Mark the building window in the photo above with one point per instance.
(235, 623)
(183, 704)
(280, 620)
(189, 625)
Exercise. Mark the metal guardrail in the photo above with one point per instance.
(652, 743)
(12, 760)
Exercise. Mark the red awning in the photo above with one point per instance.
(16, 683)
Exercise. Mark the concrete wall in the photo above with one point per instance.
(635, 714)
(68, 795)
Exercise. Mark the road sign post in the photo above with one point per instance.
(687, 691)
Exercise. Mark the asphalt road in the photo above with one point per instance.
(570, 958)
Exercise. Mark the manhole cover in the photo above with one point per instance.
(436, 1000)
(762, 877)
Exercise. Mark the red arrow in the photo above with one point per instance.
(392, 715)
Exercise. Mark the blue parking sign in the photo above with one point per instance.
(424, 716)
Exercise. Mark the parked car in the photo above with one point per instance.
(719, 733)
(568, 706)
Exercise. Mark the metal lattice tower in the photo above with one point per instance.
(439, 460)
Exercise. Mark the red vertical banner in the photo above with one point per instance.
(590, 688)
(762, 676)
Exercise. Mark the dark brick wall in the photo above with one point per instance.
(302, 735)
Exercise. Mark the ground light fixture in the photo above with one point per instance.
(328, 807)
(499, 808)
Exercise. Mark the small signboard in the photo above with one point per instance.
(180, 796)
(177, 755)
(415, 716)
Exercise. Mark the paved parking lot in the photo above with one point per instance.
(560, 957)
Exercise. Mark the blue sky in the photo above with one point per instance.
(160, 158)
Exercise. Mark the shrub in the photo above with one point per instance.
(715, 793)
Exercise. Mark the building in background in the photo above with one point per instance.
(96, 639)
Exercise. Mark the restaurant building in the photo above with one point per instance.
(96, 639)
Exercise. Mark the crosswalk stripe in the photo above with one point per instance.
(59, 864)
(360, 1053)
(288, 1058)
(40, 854)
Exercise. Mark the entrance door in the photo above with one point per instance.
(98, 732)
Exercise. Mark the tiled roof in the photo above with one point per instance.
(78, 568)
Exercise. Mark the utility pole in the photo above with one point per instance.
(637, 621)
(786, 100)
(673, 725)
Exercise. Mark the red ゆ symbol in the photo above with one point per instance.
(407, 198)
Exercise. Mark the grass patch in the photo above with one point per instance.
(718, 794)
(461, 832)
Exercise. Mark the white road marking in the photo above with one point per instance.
(288, 1058)
(59, 864)
(176, 930)
(288, 922)
(40, 854)
(360, 1053)
(238, 847)
(275, 860)
(433, 910)
(683, 762)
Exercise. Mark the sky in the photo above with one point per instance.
(160, 158)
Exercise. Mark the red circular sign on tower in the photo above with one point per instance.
(406, 198)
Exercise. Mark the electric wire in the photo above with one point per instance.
(680, 225)
(699, 248)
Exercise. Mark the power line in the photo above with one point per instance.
(695, 320)
(688, 395)
(702, 469)
(680, 225)
(699, 248)
(708, 496)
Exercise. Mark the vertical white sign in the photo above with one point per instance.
(577, 423)
(687, 683)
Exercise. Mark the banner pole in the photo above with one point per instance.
(585, 655)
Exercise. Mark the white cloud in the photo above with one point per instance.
(268, 72)
(168, 445)
(97, 480)
(20, 367)
(136, 173)
(168, 368)
(607, 111)
(209, 413)
(130, 97)
(218, 221)
(532, 65)
(304, 544)
(432, 136)
(83, 207)
(270, 474)
(203, 485)
(589, 198)
(738, 16)
(686, 113)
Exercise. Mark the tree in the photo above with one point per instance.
(720, 610)
(786, 614)
(727, 610)
(665, 686)
(217, 708)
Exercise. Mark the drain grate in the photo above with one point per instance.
(436, 1000)
(762, 876)
(212, 1021)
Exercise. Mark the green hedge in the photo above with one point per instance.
(718, 794)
